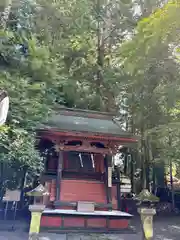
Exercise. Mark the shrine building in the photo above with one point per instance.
(79, 147)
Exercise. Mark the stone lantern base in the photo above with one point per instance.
(36, 212)
(147, 221)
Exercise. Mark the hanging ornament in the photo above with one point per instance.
(92, 159)
(81, 161)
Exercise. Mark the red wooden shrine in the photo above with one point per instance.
(79, 146)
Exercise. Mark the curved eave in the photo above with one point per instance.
(127, 141)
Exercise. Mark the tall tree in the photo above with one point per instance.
(153, 71)
(28, 73)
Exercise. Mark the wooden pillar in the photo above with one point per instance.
(59, 175)
(109, 178)
(132, 172)
(125, 151)
(46, 198)
(118, 189)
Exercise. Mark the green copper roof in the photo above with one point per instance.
(38, 191)
(146, 196)
(86, 121)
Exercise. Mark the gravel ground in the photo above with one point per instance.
(164, 229)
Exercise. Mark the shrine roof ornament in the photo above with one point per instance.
(86, 121)
(4, 106)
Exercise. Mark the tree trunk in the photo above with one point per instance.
(147, 164)
(100, 55)
(172, 187)
(153, 179)
(171, 175)
(1, 180)
(143, 182)
(143, 155)
(147, 170)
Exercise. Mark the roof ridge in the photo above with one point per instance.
(85, 113)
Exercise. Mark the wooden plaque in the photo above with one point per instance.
(85, 207)
(12, 196)
(109, 177)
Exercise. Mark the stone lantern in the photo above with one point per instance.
(36, 210)
(146, 209)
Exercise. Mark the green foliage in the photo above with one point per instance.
(29, 80)
(28, 73)
(150, 58)
(19, 145)
(18, 155)
(94, 56)
(56, 52)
